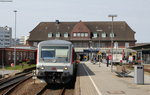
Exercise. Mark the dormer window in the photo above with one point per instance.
(104, 35)
(82, 34)
(66, 35)
(95, 35)
(78, 34)
(58, 35)
(86, 34)
(112, 35)
(74, 34)
(49, 35)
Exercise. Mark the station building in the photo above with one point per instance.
(89, 38)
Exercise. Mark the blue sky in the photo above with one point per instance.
(31, 12)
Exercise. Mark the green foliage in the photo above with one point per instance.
(20, 67)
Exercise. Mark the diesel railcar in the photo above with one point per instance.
(55, 61)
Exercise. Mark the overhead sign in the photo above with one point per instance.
(134, 53)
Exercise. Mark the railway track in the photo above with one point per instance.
(12, 88)
(42, 90)
(13, 78)
(7, 85)
(52, 90)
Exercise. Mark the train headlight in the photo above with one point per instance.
(41, 67)
(66, 68)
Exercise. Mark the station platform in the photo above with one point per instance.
(3, 73)
(95, 80)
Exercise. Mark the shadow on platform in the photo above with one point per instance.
(83, 72)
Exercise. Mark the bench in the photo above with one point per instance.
(122, 71)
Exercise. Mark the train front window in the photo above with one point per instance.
(55, 53)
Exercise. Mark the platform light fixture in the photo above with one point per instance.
(15, 11)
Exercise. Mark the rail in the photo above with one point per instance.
(13, 78)
(48, 89)
(12, 81)
(42, 90)
(11, 89)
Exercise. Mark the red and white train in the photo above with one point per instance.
(55, 61)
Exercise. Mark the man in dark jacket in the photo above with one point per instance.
(107, 58)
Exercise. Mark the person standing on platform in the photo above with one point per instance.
(107, 58)
(94, 60)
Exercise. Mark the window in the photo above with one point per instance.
(35, 43)
(9, 55)
(85, 44)
(116, 45)
(66, 35)
(103, 45)
(82, 34)
(78, 34)
(54, 54)
(126, 45)
(6, 39)
(74, 34)
(94, 35)
(104, 35)
(49, 35)
(97, 44)
(7, 36)
(112, 35)
(58, 35)
(75, 44)
(86, 34)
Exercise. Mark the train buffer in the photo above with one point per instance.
(122, 71)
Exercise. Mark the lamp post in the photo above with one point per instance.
(90, 46)
(112, 35)
(99, 30)
(15, 11)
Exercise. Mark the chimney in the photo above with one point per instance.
(57, 22)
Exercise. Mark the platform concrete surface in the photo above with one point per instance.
(7, 72)
(95, 80)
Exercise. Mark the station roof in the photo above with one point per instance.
(141, 47)
(122, 30)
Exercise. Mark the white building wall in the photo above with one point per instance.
(5, 36)
(23, 40)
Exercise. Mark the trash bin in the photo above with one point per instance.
(139, 74)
